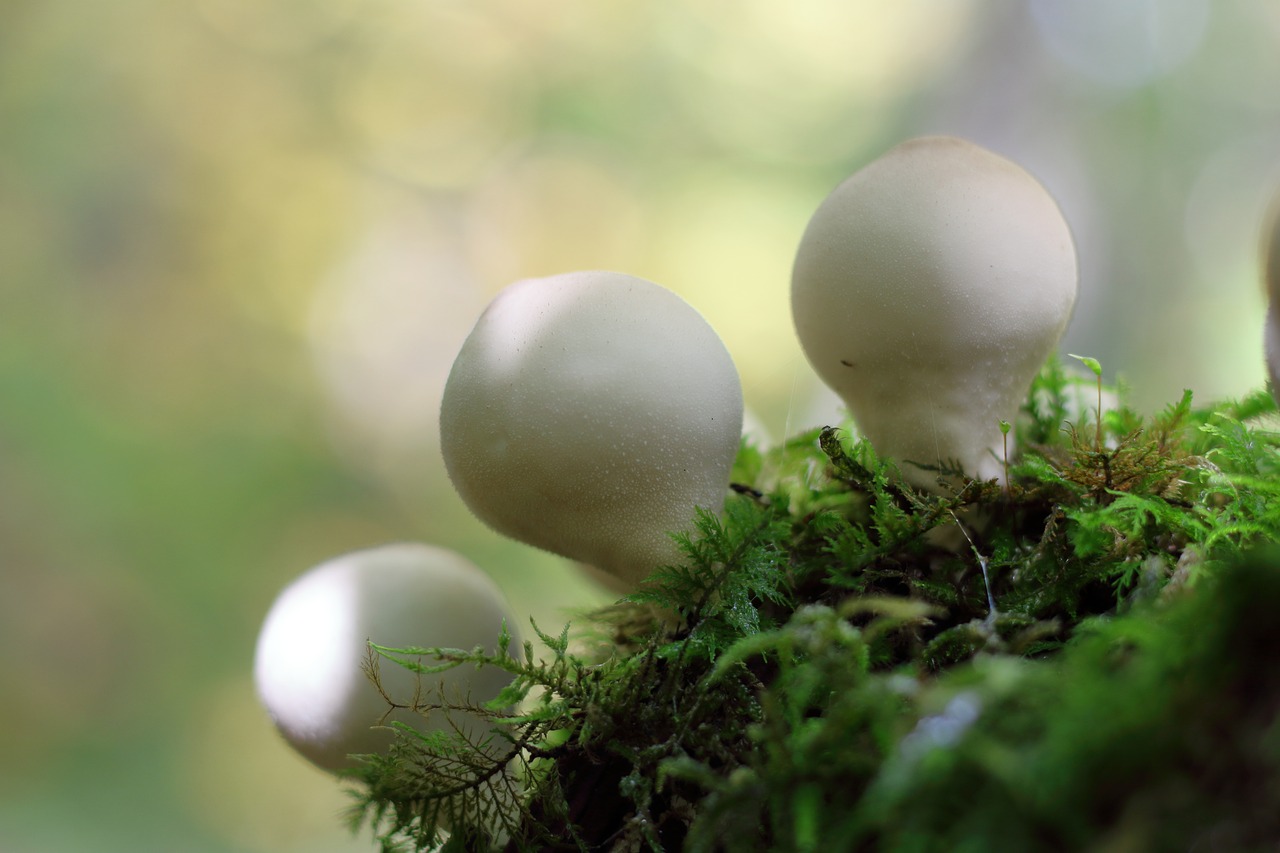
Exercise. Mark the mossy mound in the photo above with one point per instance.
(1085, 659)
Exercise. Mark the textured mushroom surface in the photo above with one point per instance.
(588, 414)
(313, 645)
(928, 289)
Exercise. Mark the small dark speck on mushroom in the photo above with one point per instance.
(846, 363)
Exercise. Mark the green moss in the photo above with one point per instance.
(1085, 658)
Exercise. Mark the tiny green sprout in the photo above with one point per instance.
(1091, 363)
(1005, 426)
(1096, 366)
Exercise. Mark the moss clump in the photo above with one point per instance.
(1084, 658)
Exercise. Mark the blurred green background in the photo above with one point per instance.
(241, 240)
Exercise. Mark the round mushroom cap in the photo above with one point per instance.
(928, 290)
(312, 649)
(588, 414)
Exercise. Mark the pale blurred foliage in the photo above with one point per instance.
(240, 241)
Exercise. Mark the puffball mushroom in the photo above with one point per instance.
(588, 414)
(928, 290)
(313, 644)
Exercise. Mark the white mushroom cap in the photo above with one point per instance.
(313, 644)
(928, 290)
(588, 414)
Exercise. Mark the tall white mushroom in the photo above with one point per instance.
(928, 289)
(313, 645)
(588, 414)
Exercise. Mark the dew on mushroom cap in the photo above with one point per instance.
(588, 414)
(928, 289)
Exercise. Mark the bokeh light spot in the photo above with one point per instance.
(1122, 43)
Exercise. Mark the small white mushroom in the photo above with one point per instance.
(1271, 275)
(588, 414)
(928, 290)
(313, 644)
